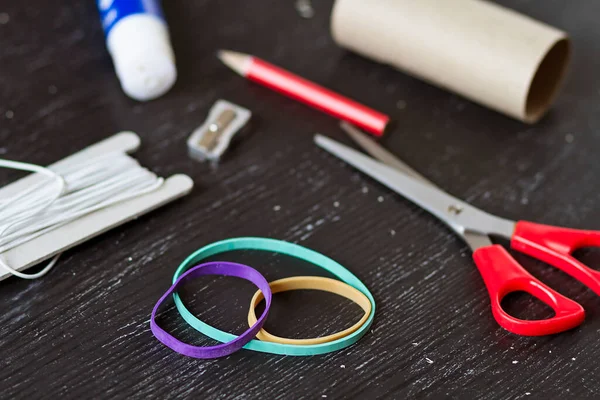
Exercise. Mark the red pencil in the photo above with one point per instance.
(292, 85)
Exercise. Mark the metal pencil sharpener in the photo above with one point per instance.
(211, 140)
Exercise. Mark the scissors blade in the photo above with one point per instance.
(457, 214)
(379, 152)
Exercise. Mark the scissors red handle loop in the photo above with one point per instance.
(503, 275)
(554, 245)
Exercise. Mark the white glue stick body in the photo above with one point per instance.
(138, 40)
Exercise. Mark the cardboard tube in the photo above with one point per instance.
(487, 53)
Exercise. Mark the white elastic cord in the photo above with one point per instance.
(76, 189)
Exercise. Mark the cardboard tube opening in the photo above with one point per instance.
(478, 49)
(547, 80)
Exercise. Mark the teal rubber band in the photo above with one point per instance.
(290, 249)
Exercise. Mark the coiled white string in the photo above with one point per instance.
(73, 191)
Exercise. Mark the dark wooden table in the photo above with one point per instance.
(83, 331)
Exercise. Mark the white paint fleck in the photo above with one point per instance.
(550, 351)
(573, 358)
(9, 114)
(277, 208)
(401, 104)
(569, 138)
(52, 89)
(336, 204)
(515, 362)
(324, 395)
(4, 18)
(310, 227)
(342, 366)
(130, 259)
(527, 393)
(363, 364)
(415, 344)
(429, 360)
(393, 232)
(305, 8)
(365, 189)
(380, 199)
(430, 275)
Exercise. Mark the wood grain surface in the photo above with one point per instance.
(83, 330)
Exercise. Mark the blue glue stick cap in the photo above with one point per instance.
(138, 40)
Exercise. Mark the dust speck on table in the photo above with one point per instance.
(569, 138)
(305, 8)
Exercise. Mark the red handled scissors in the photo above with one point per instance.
(500, 271)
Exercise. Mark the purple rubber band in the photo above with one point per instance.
(222, 350)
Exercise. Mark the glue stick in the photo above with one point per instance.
(137, 38)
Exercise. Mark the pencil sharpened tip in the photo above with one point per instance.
(239, 62)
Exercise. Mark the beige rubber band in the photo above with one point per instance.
(311, 283)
